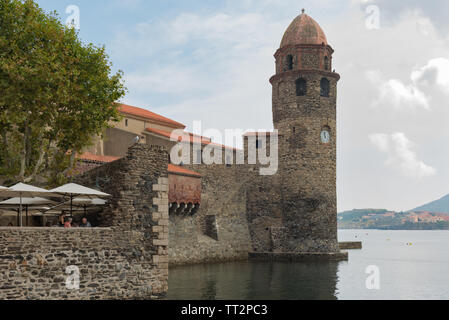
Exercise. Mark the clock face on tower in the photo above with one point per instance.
(325, 136)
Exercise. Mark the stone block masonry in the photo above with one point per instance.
(125, 258)
(219, 230)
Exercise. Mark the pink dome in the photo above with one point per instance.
(303, 30)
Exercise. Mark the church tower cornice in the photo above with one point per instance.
(297, 73)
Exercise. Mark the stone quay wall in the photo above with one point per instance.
(126, 258)
(219, 231)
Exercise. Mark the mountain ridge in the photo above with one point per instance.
(438, 206)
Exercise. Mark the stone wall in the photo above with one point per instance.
(125, 259)
(219, 230)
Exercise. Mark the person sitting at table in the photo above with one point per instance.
(62, 220)
(85, 223)
(68, 223)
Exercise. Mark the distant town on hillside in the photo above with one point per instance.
(431, 216)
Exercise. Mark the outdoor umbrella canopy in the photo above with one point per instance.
(80, 191)
(75, 190)
(30, 204)
(26, 201)
(22, 191)
(90, 202)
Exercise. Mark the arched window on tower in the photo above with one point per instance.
(289, 62)
(301, 87)
(326, 63)
(325, 87)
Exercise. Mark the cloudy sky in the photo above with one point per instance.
(211, 61)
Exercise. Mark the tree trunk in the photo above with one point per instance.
(39, 163)
(28, 147)
(24, 154)
(72, 162)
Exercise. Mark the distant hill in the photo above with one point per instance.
(440, 206)
(390, 220)
(357, 214)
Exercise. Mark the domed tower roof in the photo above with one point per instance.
(304, 30)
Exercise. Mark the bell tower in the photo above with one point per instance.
(304, 112)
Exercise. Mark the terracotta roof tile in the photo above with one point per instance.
(149, 115)
(304, 30)
(180, 170)
(93, 157)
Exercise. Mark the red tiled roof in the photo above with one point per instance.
(304, 30)
(149, 115)
(188, 137)
(177, 169)
(186, 134)
(93, 157)
(166, 134)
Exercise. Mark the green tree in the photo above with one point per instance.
(56, 93)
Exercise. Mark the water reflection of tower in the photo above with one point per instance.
(255, 281)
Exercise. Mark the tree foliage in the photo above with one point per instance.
(56, 93)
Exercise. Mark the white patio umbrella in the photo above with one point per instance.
(89, 202)
(34, 204)
(74, 190)
(26, 201)
(21, 191)
(86, 202)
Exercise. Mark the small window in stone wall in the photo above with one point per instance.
(301, 87)
(289, 62)
(326, 63)
(126, 122)
(210, 227)
(325, 87)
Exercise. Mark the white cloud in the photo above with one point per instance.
(435, 72)
(394, 93)
(179, 79)
(215, 67)
(400, 155)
